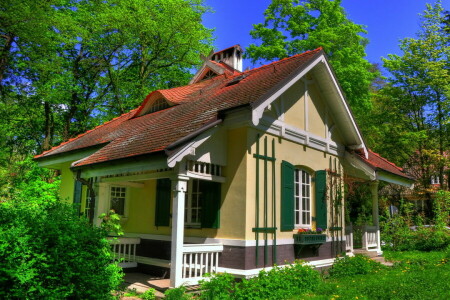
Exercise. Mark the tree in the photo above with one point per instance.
(295, 26)
(69, 65)
(421, 79)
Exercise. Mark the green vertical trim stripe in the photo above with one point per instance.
(287, 196)
(163, 198)
(321, 199)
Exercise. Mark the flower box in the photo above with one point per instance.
(309, 239)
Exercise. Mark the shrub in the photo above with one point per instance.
(177, 294)
(219, 286)
(278, 283)
(359, 264)
(148, 294)
(48, 252)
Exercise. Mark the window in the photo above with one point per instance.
(202, 203)
(302, 209)
(158, 105)
(193, 204)
(117, 199)
(435, 179)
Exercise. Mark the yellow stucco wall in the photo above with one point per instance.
(67, 183)
(142, 201)
(298, 155)
(294, 105)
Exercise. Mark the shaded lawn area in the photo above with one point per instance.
(416, 275)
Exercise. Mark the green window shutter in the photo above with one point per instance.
(162, 210)
(77, 195)
(211, 197)
(287, 196)
(321, 199)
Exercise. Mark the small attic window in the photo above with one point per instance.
(158, 105)
(210, 74)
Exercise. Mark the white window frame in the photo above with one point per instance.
(125, 204)
(300, 194)
(435, 179)
(189, 201)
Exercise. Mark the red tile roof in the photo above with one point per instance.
(197, 105)
(377, 162)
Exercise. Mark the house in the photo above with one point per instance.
(220, 174)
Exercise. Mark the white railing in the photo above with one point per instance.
(370, 237)
(124, 251)
(349, 239)
(199, 259)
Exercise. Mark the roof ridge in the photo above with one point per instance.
(283, 60)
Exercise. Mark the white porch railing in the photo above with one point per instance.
(370, 237)
(124, 251)
(199, 259)
(349, 239)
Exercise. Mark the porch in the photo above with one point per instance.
(197, 260)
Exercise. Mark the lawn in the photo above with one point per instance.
(415, 275)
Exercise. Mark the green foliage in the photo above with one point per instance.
(403, 281)
(397, 235)
(177, 294)
(219, 286)
(278, 283)
(69, 65)
(412, 108)
(111, 223)
(48, 252)
(357, 265)
(295, 26)
(148, 294)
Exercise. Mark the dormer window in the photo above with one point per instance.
(158, 105)
(210, 74)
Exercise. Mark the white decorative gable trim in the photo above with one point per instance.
(189, 148)
(259, 107)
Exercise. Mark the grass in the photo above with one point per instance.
(415, 275)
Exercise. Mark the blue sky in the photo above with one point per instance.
(387, 21)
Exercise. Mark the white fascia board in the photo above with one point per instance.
(347, 110)
(189, 148)
(123, 168)
(391, 178)
(258, 109)
(360, 165)
(55, 162)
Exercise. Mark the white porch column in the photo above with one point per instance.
(375, 217)
(102, 204)
(176, 259)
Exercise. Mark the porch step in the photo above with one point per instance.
(382, 261)
(365, 252)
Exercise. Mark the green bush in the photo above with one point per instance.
(219, 286)
(278, 283)
(148, 294)
(48, 252)
(356, 265)
(177, 294)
